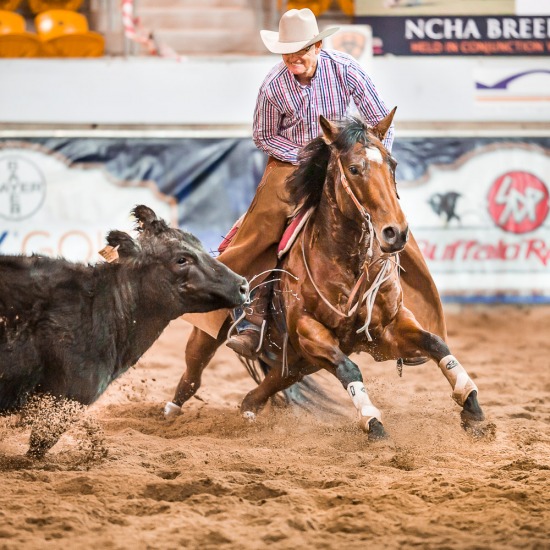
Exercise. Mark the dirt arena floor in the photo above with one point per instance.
(293, 479)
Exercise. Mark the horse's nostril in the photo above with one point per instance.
(390, 234)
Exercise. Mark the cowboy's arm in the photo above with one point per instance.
(367, 100)
(265, 131)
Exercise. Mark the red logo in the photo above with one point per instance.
(518, 202)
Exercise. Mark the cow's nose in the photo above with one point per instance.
(244, 288)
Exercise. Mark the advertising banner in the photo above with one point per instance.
(477, 206)
(460, 35)
(391, 8)
(61, 196)
(448, 27)
(479, 210)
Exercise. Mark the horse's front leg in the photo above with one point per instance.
(198, 353)
(320, 347)
(411, 340)
(274, 381)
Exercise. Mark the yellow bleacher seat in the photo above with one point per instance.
(38, 6)
(65, 33)
(14, 40)
(347, 6)
(9, 5)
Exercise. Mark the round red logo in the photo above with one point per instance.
(518, 202)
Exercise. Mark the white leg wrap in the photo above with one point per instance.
(171, 410)
(457, 376)
(360, 398)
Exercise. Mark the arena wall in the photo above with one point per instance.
(83, 140)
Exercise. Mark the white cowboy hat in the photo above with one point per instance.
(297, 30)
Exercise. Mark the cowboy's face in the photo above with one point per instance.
(302, 64)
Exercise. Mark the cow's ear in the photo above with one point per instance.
(381, 129)
(147, 220)
(144, 215)
(126, 246)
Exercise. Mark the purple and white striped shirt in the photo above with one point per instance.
(287, 114)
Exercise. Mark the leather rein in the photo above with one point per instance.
(367, 296)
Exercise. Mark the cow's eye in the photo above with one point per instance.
(353, 170)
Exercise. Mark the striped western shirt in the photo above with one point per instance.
(287, 114)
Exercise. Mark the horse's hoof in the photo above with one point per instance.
(478, 429)
(374, 428)
(250, 416)
(171, 411)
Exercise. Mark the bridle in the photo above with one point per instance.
(366, 226)
(368, 295)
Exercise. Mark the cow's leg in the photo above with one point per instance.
(320, 347)
(49, 417)
(408, 339)
(198, 353)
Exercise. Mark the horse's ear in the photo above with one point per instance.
(381, 129)
(330, 131)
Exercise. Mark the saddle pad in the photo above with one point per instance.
(292, 231)
(287, 240)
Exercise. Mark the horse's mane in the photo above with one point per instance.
(305, 185)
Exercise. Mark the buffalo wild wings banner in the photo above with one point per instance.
(478, 206)
(479, 210)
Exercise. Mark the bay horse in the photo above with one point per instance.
(339, 289)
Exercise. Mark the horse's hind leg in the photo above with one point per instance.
(411, 339)
(198, 353)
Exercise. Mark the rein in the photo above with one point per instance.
(388, 267)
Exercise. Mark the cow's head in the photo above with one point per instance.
(177, 273)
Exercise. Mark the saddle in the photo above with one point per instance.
(292, 231)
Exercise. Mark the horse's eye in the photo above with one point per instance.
(353, 170)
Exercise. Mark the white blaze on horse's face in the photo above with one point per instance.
(373, 154)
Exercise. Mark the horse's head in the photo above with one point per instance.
(364, 179)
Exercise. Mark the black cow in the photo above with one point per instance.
(68, 329)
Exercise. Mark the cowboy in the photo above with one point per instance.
(308, 82)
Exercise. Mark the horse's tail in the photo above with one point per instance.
(307, 394)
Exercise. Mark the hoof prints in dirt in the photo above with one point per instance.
(176, 492)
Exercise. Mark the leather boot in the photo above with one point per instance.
(247, 341)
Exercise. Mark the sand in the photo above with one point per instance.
(294, 479)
